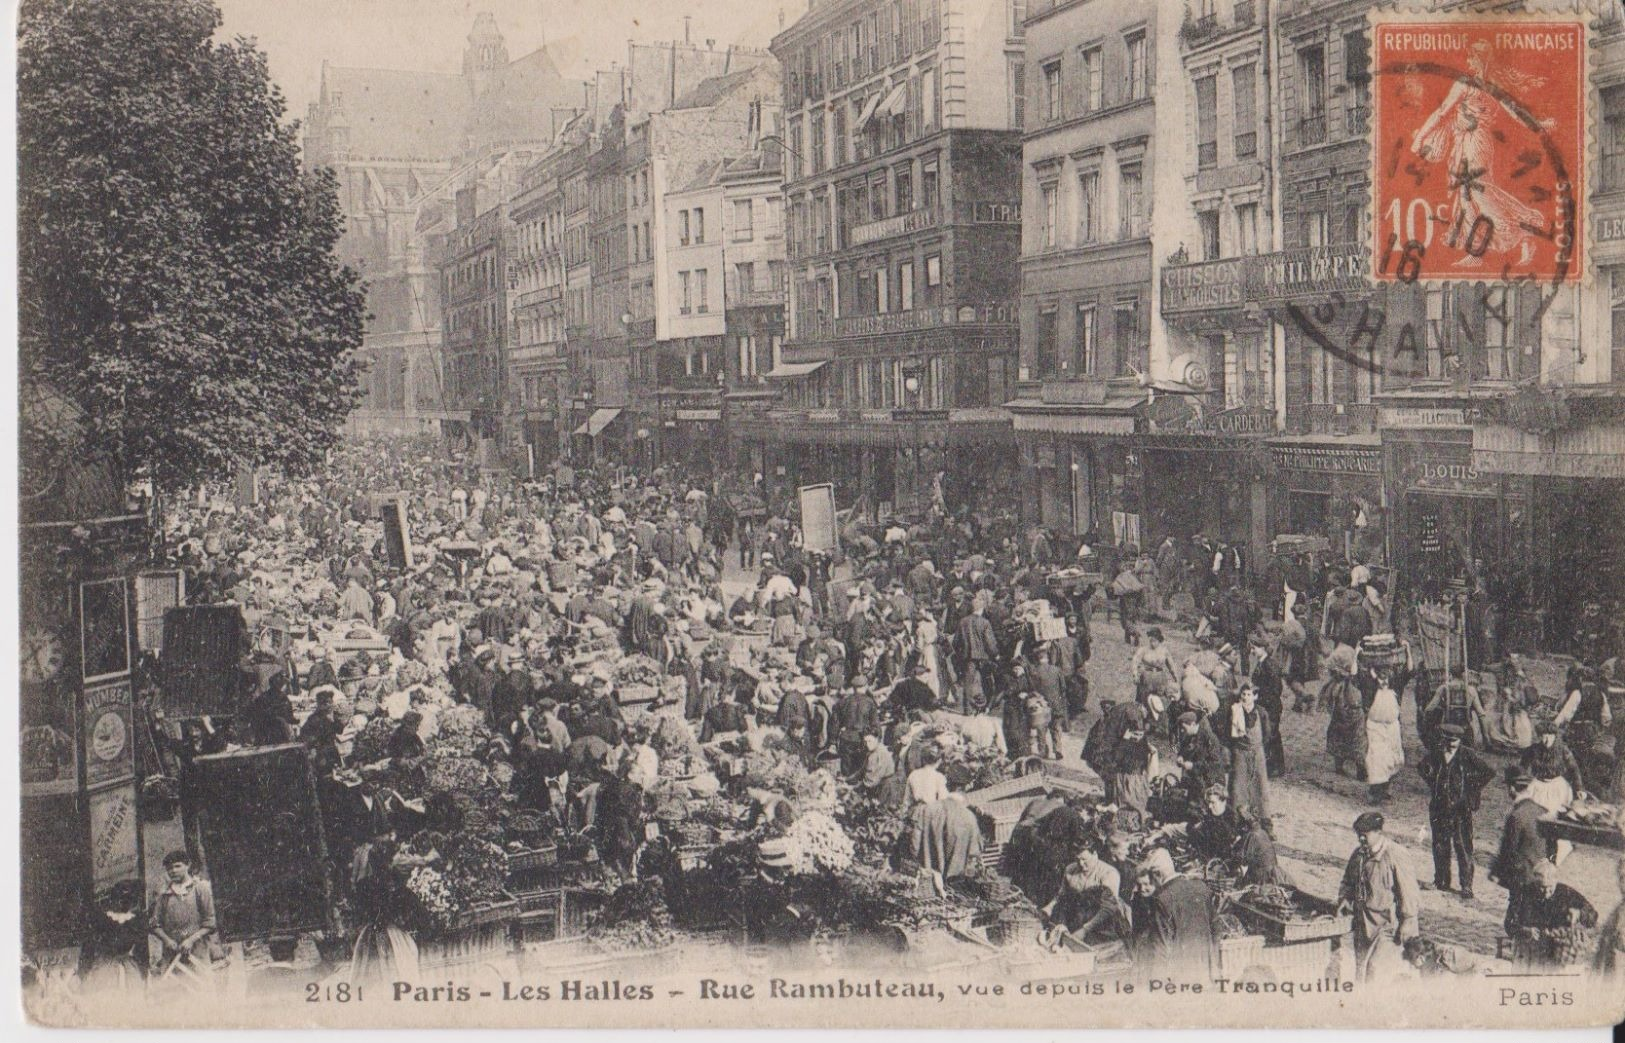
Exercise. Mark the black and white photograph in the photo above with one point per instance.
(917, 514)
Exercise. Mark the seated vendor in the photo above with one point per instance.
(1215, 834)
(1256, 853)
(1547, 916)
(1086, 913)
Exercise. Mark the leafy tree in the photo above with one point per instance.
(176, 268)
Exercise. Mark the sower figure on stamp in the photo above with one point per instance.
(1461, 133)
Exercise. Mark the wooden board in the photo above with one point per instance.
(203, 647)
(263, 844)
(1578, 833)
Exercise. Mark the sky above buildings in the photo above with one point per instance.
(584, 35)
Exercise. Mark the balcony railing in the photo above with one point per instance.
(1236, 282)
(1207, 155)
(1312, 129)
(1359, 118)
(1246, 14)
(1247, 144)
(1330, 418)
(755, 293)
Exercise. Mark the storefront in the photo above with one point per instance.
(1331, 487)
(1205, 473)
(1079, 472)
(1453, 522)
(1572, 455)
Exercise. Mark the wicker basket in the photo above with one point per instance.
(542, 857)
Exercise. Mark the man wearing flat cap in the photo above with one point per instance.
(1380, 891)
(1456, 778)
(1522, 846)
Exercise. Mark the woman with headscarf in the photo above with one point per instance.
(1131, 762)
(1345, 733)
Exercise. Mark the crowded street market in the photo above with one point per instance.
(575, 721)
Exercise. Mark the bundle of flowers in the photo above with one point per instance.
(434, 896)
(815, 791)
(476, 871)
(462, 731)
(774, 770)
(371, 741)
(818, 844)
(445, 771)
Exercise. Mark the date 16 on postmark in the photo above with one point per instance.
(1478, 139)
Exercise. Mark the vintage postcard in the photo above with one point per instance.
(821, 513)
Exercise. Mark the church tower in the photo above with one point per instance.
(486, 55)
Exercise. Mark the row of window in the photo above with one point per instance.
(866, 123)
(1314, 88)
(1243, 138)
(968, 381)
(693, 292)
(884, 36)
(874, 196)
(1105, 74)
(1086, 201)
(873, 288)
(1080, 350)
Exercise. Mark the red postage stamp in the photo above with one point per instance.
(1478, 148)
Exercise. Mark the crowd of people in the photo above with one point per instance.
(525, 600)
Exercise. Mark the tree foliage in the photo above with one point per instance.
(177, 279)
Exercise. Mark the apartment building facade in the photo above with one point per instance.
(902, 202)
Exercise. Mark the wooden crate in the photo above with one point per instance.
(1301, 960)
(464, 947)
(1326, 923)
(1237, 955)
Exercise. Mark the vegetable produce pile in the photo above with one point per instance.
(638, 669)
(1279, 902)
(876, 828)
(462, 730)
(635, 917)
(372, 740)
(672, 738)
(818, 844)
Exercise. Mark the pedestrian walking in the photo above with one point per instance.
(1380, 892)
(1456, 778)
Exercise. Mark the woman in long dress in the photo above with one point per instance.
(1384, 751)
(1345, 732)
(925, 639)
(1249, 774)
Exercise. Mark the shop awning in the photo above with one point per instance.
(792, 370)
(600, 419)
(893, 105)
(869, 109)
